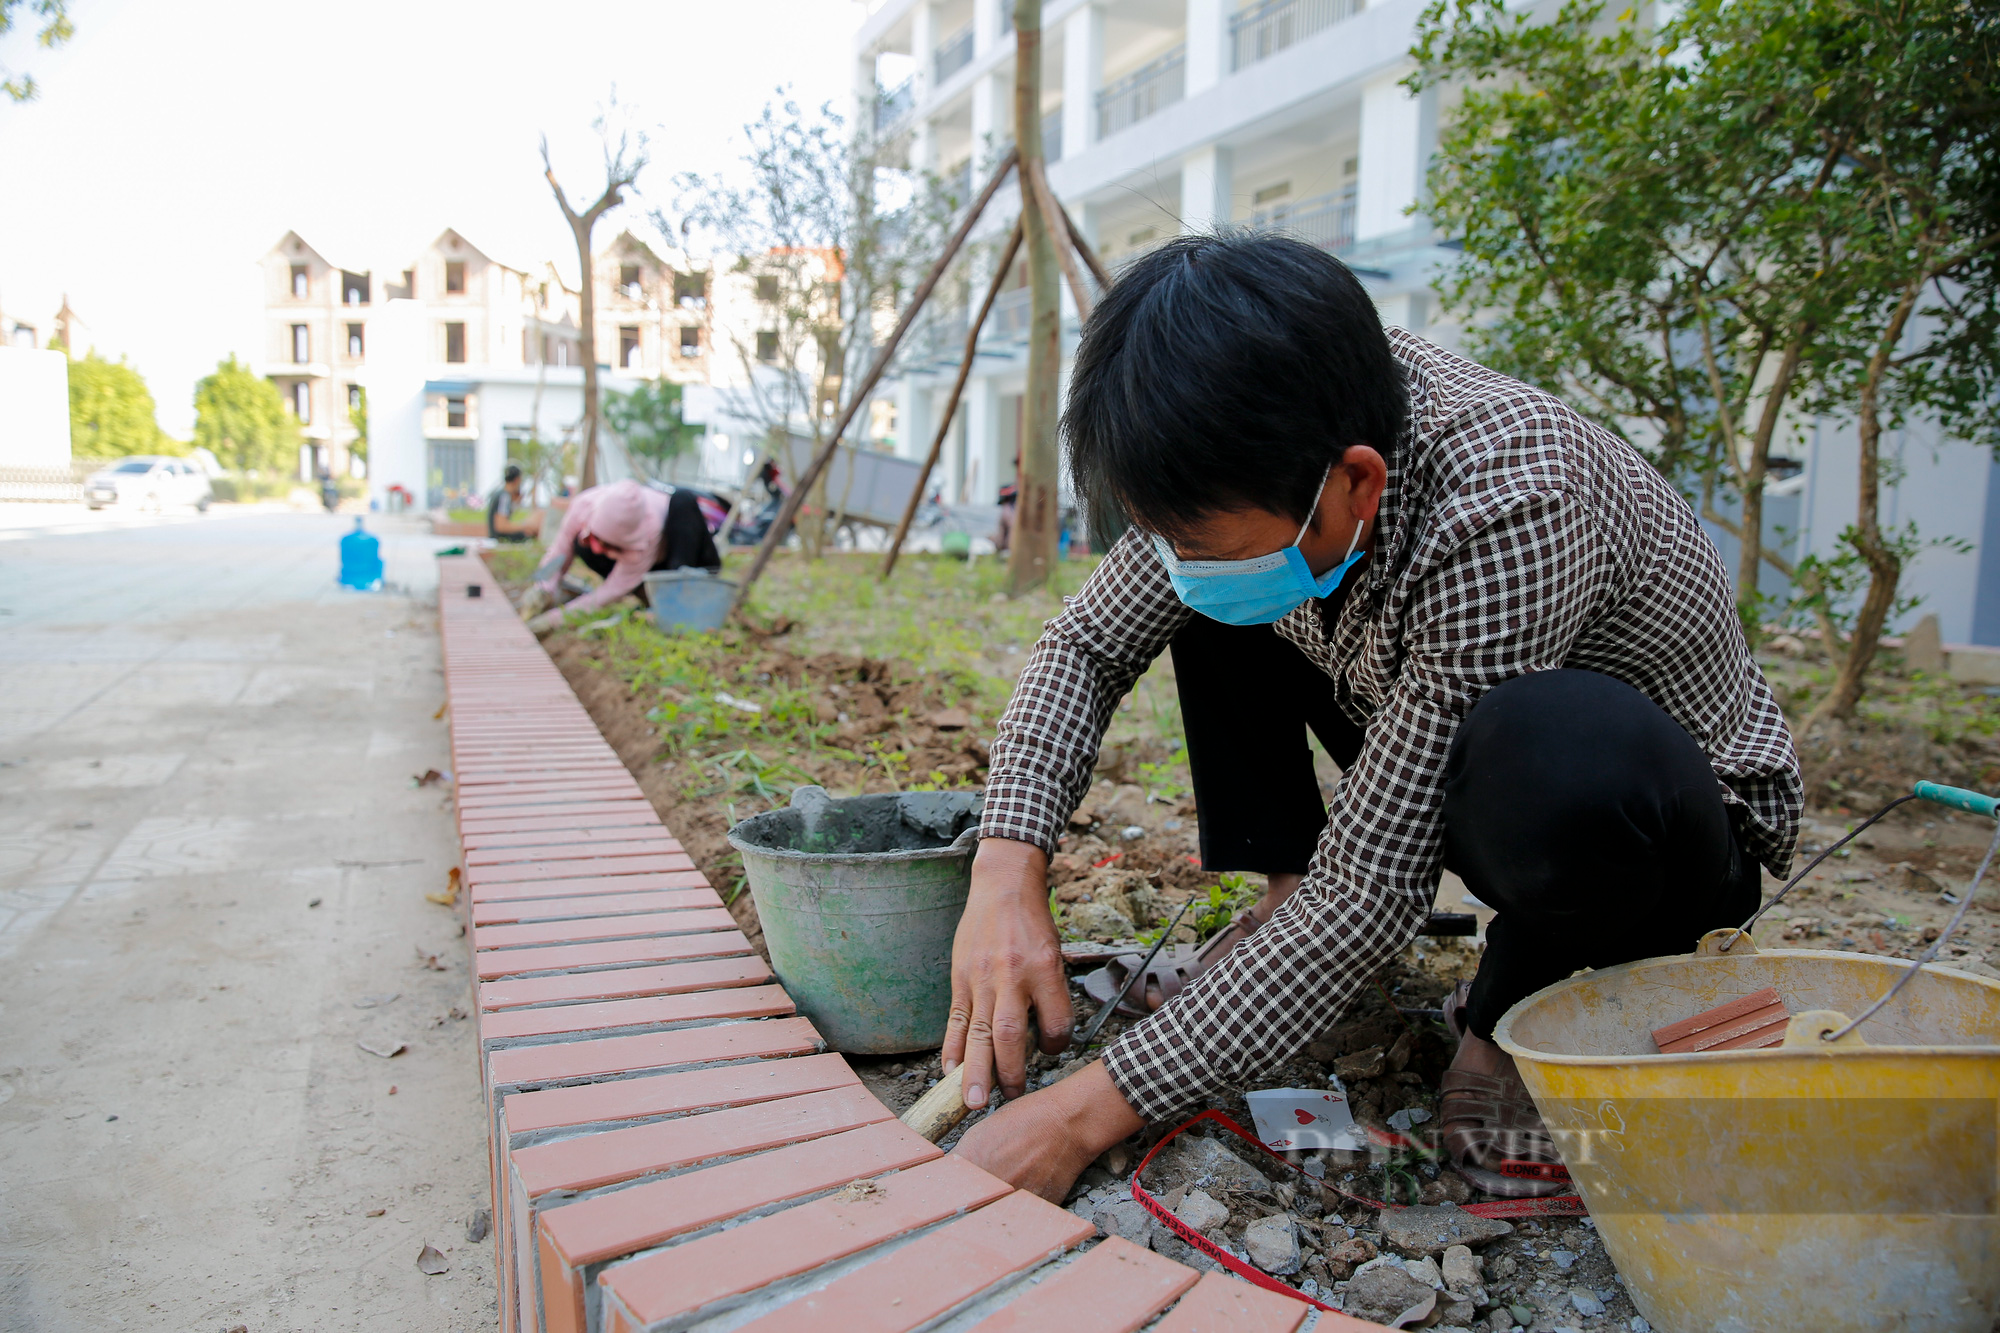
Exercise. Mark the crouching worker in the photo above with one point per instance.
(622, 532)
(1509, 631)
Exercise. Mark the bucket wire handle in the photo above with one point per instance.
(1957, 798)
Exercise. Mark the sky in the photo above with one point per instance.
(173, 144)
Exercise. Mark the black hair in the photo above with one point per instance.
(1223, 372)
(511, 474)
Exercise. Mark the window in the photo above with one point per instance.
(767, 288)
(1270, 192)
(302, 402)
(354, 288)
(301, 344)
(767, 347)
(628, 281)
(454, 342)
(355, 399)
(454, 413)
(1350, 166)
(628, 347)
(409, 284)
(691, 340)
(454, 277)
(354, 341)
(690, 289)
(301, 283)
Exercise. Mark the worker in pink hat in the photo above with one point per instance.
(622, 532)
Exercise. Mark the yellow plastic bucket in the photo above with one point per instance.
(1815, 1186)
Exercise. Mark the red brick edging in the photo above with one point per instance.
(669, 1139)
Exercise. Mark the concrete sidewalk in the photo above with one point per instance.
(212, 869)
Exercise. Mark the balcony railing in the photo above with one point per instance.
(893, 105)
(1145, 90)
(1261, 30)
(953, 54)
(1326, 220)
(1007, 322)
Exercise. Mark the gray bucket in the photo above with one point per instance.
(859, 900)
(689, 598)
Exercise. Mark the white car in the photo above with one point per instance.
(148, 480)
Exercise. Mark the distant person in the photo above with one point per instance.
(1003, 533)
(622, 532)
(502, 523)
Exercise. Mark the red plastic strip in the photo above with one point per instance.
(1566, 1205)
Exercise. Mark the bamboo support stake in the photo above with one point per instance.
(1061, 234)
(1090, 259)
(804, 483)
(951, 403)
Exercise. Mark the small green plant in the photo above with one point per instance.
(1226, 901)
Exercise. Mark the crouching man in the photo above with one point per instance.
(1507, 629)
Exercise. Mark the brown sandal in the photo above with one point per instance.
(1491, 1129)
(1171, 971)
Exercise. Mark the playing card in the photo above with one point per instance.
(1292, 1119)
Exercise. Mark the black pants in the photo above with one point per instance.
(684, 542)
(1574, 806)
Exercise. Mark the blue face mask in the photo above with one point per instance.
(1253, 592)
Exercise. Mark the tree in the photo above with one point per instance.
(241, 419)
(55, 30)
(624, 159)
(111, 411)
(1760, 211)
(1619, 231)
(831, 238)
(1032, 549)
(648, 420)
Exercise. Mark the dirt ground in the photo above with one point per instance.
(841, 709)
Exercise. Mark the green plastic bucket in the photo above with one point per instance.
(859, 899)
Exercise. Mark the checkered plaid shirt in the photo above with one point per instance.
(1515, 536)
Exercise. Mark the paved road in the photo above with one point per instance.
(211, 856)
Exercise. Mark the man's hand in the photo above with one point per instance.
(547, 623)
(1043, 1142)
(1005, 960)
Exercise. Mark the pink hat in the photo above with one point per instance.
(620, 518)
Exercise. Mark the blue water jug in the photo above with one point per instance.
(360, 560)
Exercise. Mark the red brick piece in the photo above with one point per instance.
(1754, 1022)
(506, 911)
(745, 969)
(566, 1062)
(555, 851)
(494, 963)
(602, 928)
(567, 888)
(610, 1226)
(675, 1283)
(1220, 1304)
(1115, 1288)
(592, 1161)
(938, 1272)
(580, 866)
(646, 1011)
(656, 1095)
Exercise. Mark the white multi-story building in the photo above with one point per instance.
(459, 357)
(1158, 116)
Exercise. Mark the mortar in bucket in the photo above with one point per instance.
(1845, 1180)
(859, 899)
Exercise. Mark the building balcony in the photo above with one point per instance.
(953, 54)
(1325, 220)
(294, 370)
(1156, 84)
(1261, 30)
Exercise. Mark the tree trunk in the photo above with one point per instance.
(587, 317)
(1885, 567)
(1035, 517)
